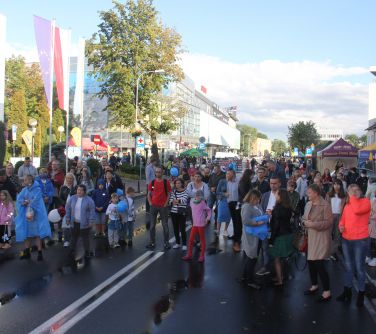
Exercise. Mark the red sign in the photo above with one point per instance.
(140, 140)
(97, 139)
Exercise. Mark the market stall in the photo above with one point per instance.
(367, 157)
(338, 153)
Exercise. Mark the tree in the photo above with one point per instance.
(302, 135)
(358, 142)
(262, 135)
(131, 40)
(2, 143)
(248, 136)
(279, 146)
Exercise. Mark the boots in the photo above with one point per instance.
(25, 255)
(360, 299)
(345, 296)
(40, 256)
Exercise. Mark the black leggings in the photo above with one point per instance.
(236, 221)
(317, 268)
(248, 268)
(5, 234)
(178, 222)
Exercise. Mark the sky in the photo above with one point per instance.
(280, 62)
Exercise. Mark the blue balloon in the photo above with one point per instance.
(174, 172)
(119, 192)
(122, 207)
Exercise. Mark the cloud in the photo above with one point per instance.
(272, 94)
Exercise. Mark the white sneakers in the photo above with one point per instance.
(184, 248)
(368, 259)
(66, 244)
(225, 233)
(176, 246)
(372, 262)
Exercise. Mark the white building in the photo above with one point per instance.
(371, 130)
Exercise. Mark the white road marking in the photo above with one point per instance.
(87, 296)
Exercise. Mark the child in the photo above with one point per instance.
(131, 217)
(201, 214)
(101, 200)
(113, 222)
(6, 215)
(371, 258)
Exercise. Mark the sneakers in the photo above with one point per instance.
(368, 259)
(184, 248)
(176, 246)
(116, 245)
(372, 263)
(225, 234)
(151, 246)
(253, 285)
(167, 246)
(263, 271)
(201, 259)
(130, 243)
(66, 244)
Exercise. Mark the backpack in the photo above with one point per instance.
(164, 184)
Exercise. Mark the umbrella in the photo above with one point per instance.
(194, 152)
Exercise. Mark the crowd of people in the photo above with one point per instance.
(268, 205)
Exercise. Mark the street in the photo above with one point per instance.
(132, 290)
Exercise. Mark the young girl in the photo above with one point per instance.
(113, 222)
(251, 209)
(201, 214)
(6, 215)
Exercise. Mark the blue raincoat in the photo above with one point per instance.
(39, 225)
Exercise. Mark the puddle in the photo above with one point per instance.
(32, 287)
(166, 304)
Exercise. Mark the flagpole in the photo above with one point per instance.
(51, 87)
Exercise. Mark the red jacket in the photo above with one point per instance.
(355, 218)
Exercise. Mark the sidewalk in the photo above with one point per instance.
(371, 278)
(138, 186)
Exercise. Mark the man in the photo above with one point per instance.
(277, 171)
(57, 176)
(27, 169)
(113, 161)
(6, 184)
(159, 191)
(362, 181)
(149, 177)
(268, 202)
(116, 178)
(253, 163)
(352, 176)
(206, 176)
(214, 179)
(80, 215)
(261, 184)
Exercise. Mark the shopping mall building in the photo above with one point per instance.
(204, 118)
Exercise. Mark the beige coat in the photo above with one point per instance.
(319, 229)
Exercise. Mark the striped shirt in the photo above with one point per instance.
(182, 197)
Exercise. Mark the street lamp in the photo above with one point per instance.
(33, 124)
(160, 71)
(61, 130)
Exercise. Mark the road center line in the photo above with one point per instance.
(70, 323)
(62, 314)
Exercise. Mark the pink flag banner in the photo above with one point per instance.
(58, 67)
(43, 35)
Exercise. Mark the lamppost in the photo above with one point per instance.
(33, 124)
(136, 118)
(61, 130)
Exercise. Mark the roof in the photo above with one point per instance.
(372, 127)
(340, 148)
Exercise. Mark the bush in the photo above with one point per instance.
(128, 169)
(94, 166)
(17, 166)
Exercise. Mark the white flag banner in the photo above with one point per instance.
(65, 39)
(3, 21)
(79, 93)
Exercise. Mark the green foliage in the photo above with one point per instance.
(302, 135)
(248, 136)
(128, 169)
(358, 142)
(262, 135)
(132, 40)
(279, 146)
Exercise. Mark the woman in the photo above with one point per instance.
(280, 241)
(251, 209)
(245, 184)
(198, 184)
(86, 180)
(336, 197)
(179, 200)
(110, 183)
(31, 221)
(355, 238)
(68, 189)
(318, 221)
(326, 180)
(342, 179)
(185, 176)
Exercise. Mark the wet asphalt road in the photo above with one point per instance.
(168, 295)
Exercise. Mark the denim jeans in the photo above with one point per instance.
(163, 212)
(354, 252)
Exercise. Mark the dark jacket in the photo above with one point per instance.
(10, 186)
(280, 223)
(64, 192)
(263, 187)
(244, 187)
(101, 199)
(280, 173)
(215, 178)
